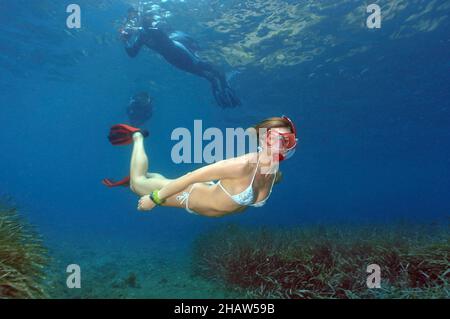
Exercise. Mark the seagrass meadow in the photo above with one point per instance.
(365, 85)
(23, 257)
(233, 261)
(326, 261)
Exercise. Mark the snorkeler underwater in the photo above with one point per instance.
(224, 155)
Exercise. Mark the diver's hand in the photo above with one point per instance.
(145, 203)
(124, 35)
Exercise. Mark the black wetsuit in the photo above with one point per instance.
(179, 50)
(140, 109)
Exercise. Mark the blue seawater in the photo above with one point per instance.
(371, 107)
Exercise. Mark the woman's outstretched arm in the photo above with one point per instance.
(221, 170)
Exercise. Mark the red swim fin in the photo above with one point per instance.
(122, 134)
(110, 183)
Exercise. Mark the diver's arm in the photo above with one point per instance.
(164, 27)
(225, 169)
(133, 45)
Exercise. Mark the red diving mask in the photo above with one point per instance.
(288, 140)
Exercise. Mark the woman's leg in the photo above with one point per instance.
(141, 182)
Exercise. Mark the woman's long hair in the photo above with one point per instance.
(271, 122)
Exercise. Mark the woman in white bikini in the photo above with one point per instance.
(243, 181)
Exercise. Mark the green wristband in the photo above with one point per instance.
(154, 196)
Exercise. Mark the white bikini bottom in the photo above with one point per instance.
(184, 197)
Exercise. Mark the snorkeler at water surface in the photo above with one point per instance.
(177, 48)
(243, 181)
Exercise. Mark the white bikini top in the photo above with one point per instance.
(247, 196)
